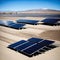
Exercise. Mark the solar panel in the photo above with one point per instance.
(50, 21)
(27, 45)
(36, 47)
(17, 26)
(24, 46)
(35, 40)
(19, 47)
(31, 46)
(11, 24)
(6, 23)
(17, 43)
(33, 22)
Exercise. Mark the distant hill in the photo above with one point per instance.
(32, 13)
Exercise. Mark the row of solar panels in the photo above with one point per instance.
(32, 46)
(11, 24)
(47, 21)
(19, 24)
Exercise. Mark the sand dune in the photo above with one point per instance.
(52, 35)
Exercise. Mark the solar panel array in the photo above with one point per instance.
(32, 22)
(32, 46)
(11, 24)
(19, 24)
(51, 21)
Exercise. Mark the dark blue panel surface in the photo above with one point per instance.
(32, 46)
(35, 40)
(50, 21)
(33, 22)
(11, 24)
(17, 26)
(19, 48)
(29, 43)
(16, 44)
(38, 46)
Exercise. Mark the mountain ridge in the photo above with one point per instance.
(33, 10)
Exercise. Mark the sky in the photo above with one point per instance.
(21, 5)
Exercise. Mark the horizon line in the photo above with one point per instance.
(31, 9)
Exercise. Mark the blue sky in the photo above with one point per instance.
(21, 5)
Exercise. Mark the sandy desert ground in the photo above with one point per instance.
(9, 35)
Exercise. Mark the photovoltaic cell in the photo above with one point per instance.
(17, 46)
(51, 21)
(11, 24)
(17, 43)
(33, 22)
(27, 44)
(17, 26)
(22, 47)
(31, 46)
(36, 47)
(35, 40)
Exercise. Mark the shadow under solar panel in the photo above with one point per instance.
(32, 22)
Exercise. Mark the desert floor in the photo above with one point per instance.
(9, 35)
